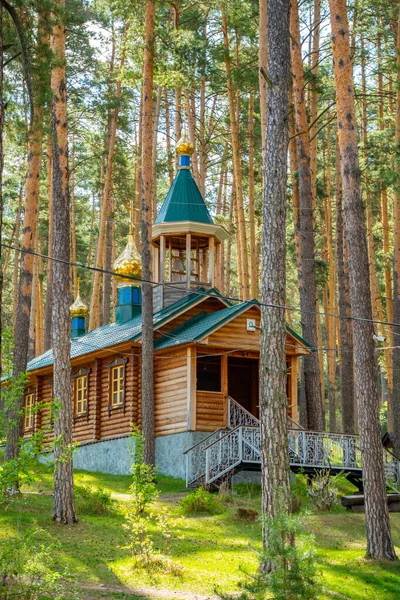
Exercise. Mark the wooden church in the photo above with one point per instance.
(206, 348)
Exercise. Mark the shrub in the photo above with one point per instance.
(323, 491)
(93, 501)
(299, 488)
(292, 559)
(201, 501)
(28, 575)
(140, 517)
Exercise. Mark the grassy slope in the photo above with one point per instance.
(211, 549)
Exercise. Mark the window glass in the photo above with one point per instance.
(81, 384)
(117, 380)
(209, 373)
(28, 421)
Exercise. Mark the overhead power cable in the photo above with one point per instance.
(202, 293)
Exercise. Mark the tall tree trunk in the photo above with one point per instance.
(379, 540)
(307, 286)
(106, 201)
(156, 119)
(345, 326)
(17, 255)
(168, 138)
(314, 97)
(329, 296)
(396, 263)
(23, 312)
(262, 69)
(146, 223)
(74, 276)
(1, 186)
(273, 371)
(252, 224)
(64, 511)
(244, 290)
(49, 274)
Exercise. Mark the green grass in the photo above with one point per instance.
(211, 550)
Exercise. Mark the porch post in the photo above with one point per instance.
(191, 388)
(294, 399)
(188, 259)
(224, 386)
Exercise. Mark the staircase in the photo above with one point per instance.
(227, 451)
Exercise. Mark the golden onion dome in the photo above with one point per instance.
(184, 146)
(78, 308)
(128, 264)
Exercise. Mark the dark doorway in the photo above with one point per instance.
(243, 382)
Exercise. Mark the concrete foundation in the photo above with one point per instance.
(115, 456)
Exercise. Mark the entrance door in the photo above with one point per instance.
(243, 382)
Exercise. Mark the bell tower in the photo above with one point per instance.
(186, 242)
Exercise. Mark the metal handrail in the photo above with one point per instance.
(203, 440)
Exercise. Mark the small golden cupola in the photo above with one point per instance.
(78, 311)
(184, 149)
(128, 267)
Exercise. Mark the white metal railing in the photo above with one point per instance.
(222, 451)
(241, 445)
(323, 450)
(238, 415)
(196, 459)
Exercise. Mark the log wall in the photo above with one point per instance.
(170, 392)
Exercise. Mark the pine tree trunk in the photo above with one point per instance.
(147, 194)
(252, 224)
(23, 312)
(49, 274)
(307, 286)
(329, 296)
(379, 541)
(262, 69)
(64, 511)
(345, 325)
(168, 138)
(106, 201)
(273, 372)
(244, 290)
(1, 187)
(396, 264)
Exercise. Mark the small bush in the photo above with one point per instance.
(246, 514)
(27, 571)
(300, 498)
(291, 557)
(93, 501)
(323, 491)
(201, 501)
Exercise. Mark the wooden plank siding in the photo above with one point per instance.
(210, 411)
(170, 392)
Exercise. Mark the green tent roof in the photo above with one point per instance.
(184, 201)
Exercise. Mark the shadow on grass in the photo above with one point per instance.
(363, 579)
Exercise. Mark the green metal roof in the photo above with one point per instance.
(184, 201)
(200, 325)
(117, 333)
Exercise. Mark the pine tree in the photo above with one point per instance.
(379, 540)
(273, 401)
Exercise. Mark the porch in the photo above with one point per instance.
(220, 376)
